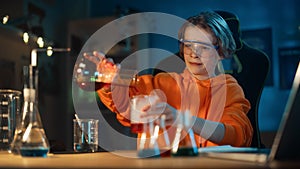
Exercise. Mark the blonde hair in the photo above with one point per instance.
(217, 26)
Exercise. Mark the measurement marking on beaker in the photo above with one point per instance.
(4, 128)
(4, 115)
(5, 140)
(4, 103)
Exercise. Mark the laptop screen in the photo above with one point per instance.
(286, 144)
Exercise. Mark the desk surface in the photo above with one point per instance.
(111, 160)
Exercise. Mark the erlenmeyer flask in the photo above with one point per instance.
(165, 148)
(148, 147)
(184, 142)
(30, 138)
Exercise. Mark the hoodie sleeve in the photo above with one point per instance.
(117, 99)
(238, 128)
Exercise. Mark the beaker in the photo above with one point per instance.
(137, 122)
(88, 78)
(85, 138)
(10, 105)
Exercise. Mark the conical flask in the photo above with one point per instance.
(184, 142)
(30, 139)
(148, 147)
(164, 140)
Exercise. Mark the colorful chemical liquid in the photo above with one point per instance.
(137, 127)
(186, 151)
(92, 86)
(36, 152)
(165, 152)
(85, 147)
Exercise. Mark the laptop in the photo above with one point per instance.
(286, 144)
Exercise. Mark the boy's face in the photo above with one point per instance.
(201, 56)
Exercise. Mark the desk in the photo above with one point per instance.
(111, 160)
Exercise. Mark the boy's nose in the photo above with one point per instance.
(196, 51)
(194, 54)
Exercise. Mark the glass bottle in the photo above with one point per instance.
(30, 139)
(184, 142)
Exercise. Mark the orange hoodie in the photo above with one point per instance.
(218, 99)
